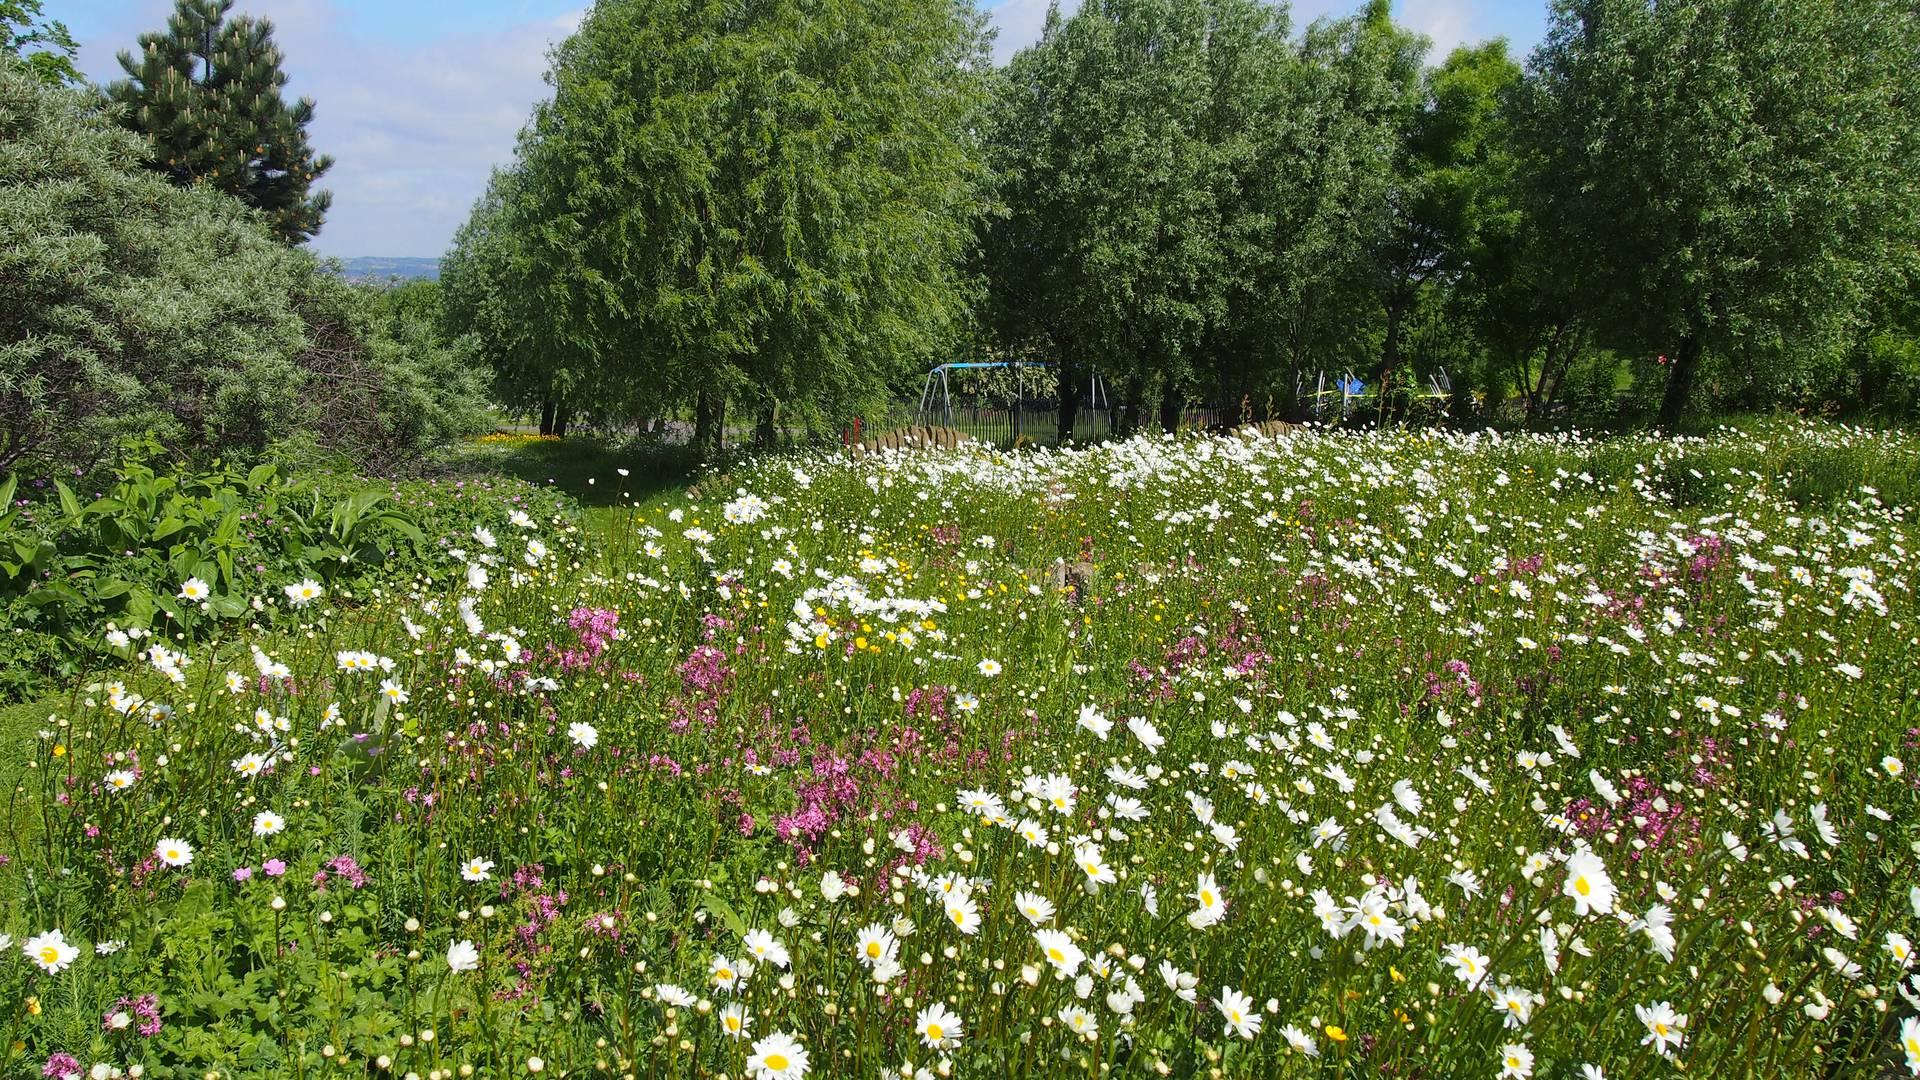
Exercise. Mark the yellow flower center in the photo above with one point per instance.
(873, 949)
(1056, 956)
(49, 955)
(1659, 1028)
(1580, 886)
(777, 1062)
(935, 1032)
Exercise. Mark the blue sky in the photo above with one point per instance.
(417, 100)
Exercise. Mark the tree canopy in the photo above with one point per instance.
(44, 45)
(128, 305)
(792, 204)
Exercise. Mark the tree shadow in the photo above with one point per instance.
(595, 472)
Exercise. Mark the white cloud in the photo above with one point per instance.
(1449, 23)
(1019, 23)
(415, 129)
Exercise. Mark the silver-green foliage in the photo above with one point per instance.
(129, 305)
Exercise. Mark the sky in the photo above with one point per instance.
(418, 100)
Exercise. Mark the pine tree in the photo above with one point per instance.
(207, 92)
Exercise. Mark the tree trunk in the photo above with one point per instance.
(1686, 363)
(1134, 393)
(1170, 402)
(709, 424)
(1069, 391)
(766, 430)
(546, 417)
(561, 417)
(1240, 406)
(1390, 351)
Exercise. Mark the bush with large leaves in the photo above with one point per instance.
(128, 305)
(70, 565)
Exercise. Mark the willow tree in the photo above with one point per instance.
(767, 203)
(1738, 172)
(1116, 139)
(491, 294)
(1331, 176)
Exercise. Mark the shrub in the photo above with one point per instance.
(128, 305)
(190, 552)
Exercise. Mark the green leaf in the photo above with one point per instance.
(405, 528)
(723, 911)
(53, 592)
(69, 503)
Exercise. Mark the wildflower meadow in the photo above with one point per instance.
(1332, 754)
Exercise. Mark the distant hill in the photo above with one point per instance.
(377, 268)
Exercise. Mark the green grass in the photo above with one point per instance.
(586, 468)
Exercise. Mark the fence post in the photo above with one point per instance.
(1019, 399)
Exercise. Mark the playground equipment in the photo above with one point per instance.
(1349, 393)
(1003, 410)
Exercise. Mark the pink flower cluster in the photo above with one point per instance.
(142, 1013)
(344, 868)
(596, 628)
